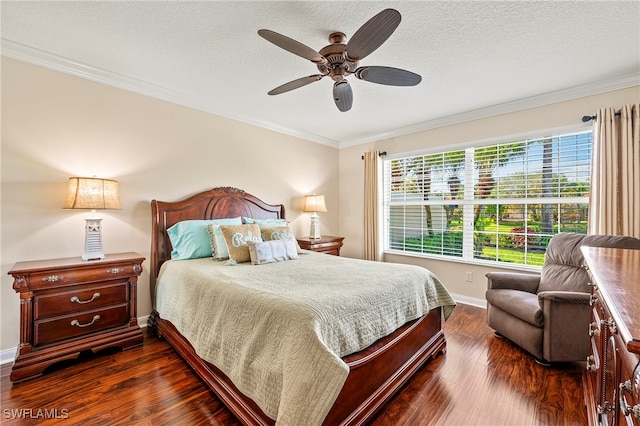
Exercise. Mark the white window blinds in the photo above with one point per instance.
(499, 202)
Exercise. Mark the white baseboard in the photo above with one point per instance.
(142, 321)
(466, 300)
(9, 355)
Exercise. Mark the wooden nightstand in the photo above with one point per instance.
(69, 305)
(326, 244)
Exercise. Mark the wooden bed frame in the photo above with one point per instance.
(376, 373)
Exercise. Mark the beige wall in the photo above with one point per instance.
(55, 126)
(559, 115)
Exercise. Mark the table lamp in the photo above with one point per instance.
(95, 194)
(314, 204)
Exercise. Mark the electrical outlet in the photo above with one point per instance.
(468, 276)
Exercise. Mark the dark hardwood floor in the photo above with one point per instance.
(481, 380)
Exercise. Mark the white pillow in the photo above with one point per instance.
(272, 251)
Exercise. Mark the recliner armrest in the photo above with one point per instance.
(566, 325)
(564, 297)
(513, 281)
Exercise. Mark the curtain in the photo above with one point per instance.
(372, 169)
(614, 200)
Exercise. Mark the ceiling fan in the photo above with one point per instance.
(339, 60)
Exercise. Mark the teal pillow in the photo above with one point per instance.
(190, 238)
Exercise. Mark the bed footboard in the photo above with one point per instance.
(376, 373)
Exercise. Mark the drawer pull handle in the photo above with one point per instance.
(625, 408)
(115, 270)
(613, 329)
(53, 278)
(76, 323)
(76, 299)
(591, 363)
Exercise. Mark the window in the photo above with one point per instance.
(499, 202)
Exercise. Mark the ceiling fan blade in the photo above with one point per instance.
(342, 95)
(372, 34)
(292, 46)
(295, 84)
(388, 75)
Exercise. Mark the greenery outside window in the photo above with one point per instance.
(500, 202)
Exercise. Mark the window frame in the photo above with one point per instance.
(467, 255)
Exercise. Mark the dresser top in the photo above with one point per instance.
(617, 276)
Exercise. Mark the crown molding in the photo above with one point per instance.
(621, 82)
(13, 50)
(21, 52)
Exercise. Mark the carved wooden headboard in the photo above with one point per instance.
(215, 203)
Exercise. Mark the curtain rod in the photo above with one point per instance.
(586, 118)
(380, 154)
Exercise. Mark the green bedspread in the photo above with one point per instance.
(279, 330)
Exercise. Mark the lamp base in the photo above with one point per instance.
(93, 240)
(314, 232)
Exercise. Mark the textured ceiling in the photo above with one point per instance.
(476, 58)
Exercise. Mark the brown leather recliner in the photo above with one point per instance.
(548, 314)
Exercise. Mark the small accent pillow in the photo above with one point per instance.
(279, 233)
(190, 240)
(218, 245)
(237, 237)
(272, 251)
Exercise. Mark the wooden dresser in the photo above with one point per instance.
(612, 378)
(326, 244)
(68, 306)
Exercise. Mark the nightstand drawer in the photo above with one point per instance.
(326, 244)
(74, 325)
(327, 249)
(81, 275)
(80, 299)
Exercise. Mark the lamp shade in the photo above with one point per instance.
(92, 193)
(314, 203)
